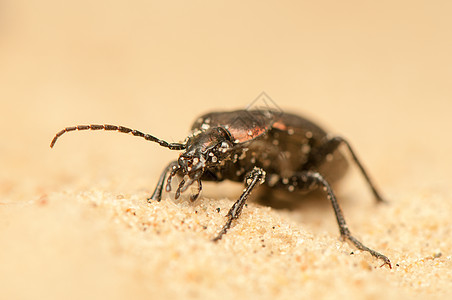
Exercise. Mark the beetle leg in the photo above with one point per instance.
(256, 176)
(157, 194)
(308, 181)
(193, 197)
(330, 145)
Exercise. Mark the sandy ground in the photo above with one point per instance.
(74, 221)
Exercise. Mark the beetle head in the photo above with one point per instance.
(203, 149)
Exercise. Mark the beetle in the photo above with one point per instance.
(280, 150)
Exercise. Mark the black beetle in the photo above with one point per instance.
(280, 150)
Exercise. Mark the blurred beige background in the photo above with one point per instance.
(378, 73)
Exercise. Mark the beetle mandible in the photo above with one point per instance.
(279, 150)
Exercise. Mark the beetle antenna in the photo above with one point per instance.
(171, 146)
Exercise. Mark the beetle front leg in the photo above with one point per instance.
(157, 194)
(330, 145)
(256, 176)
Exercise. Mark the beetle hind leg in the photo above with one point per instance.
(329, 146)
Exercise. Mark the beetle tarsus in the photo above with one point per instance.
(362, 247)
